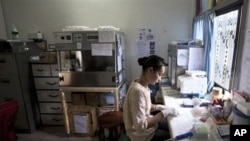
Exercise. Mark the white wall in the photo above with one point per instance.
(243, 81)
(3, 34)
(169, 19)
(248, 17)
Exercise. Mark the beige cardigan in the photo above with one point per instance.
(136, 110)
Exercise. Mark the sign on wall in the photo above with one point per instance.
(145, 43)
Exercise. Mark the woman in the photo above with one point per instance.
(139, 123)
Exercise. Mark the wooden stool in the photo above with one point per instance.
(112, 121)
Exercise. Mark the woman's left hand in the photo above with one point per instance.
(161, 107)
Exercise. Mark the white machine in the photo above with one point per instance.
(192, 84)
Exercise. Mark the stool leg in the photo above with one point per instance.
(101, 134)
(116, 133)
(111, 134)
(123, 128)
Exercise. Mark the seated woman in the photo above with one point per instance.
(140, 125)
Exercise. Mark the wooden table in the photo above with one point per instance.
(114, 90)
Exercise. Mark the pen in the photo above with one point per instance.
(181, 136)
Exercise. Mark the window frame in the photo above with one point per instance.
(225, 7)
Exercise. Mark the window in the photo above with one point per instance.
(225, 29)
(219, 29)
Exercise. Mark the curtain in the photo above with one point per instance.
(203, 30)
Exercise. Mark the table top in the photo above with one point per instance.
(187, 118)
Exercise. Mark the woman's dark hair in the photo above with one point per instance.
(153, 61)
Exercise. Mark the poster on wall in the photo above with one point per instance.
(145, 43)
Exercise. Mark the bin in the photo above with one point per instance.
(240, 118)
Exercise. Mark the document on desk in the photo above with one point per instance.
(185, 121)
(182, 123)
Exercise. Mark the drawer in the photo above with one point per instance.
(52, 96)
(8, 64)
(54, 70)
(52, 119)
(41, 70)
(7, 95)
(51, 108)
(10, 84)
(46, 83)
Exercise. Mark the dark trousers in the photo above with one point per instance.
(162, 132)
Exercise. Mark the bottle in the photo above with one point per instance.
(227, 108)
(14, 33)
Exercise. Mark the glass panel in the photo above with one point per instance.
(225, 34)
(83, 61)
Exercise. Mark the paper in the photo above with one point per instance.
(146, 43)
(196, 58)
(80, 123)
(101, 49)
(182, 57)
(145, 48)
(142, 48)
(145, 34)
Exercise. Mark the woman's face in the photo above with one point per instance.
(155, 76)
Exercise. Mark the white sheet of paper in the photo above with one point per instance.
(196, 58)
(101, 49)
(142, 48)
(182, 57)
(80, 123)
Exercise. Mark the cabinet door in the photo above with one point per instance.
(7, 64)
(10, 84)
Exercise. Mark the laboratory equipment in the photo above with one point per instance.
(184, 57)
(90, 58)
(192, 85)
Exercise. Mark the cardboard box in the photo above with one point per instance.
(78, 98)
(82, 120)
(92, 99)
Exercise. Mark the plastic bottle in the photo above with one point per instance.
(14, 33)
(227, 108)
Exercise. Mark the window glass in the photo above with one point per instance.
(225, 27)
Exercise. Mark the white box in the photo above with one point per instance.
(192, 84)
(244, 107)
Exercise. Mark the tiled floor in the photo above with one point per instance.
(52, 134)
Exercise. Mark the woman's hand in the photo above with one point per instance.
(170, 112)
(161, 107)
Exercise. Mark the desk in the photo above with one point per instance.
(184, 122)
(114, 90)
